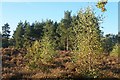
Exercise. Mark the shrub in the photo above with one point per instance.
(114, 51)
(40, 52)
(47, 49)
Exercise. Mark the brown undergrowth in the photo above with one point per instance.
(14, 66)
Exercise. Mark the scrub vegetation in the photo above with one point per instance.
(75, 47)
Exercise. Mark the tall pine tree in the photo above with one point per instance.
(64, 31)
(27, 34)
(19, 35)
(5, 35)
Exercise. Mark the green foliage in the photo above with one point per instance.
(33, 55)
(5, 35)
(18, 35)
(115, 52)
(37, 30)
(11, 42)
(87, 32)
(91, 74)
(49, 32)
(108, 42)
(101, 4)
(80, 34)
(27, 34)
(40, 52)
(64, 31)
(87, 43)
(5, 31)
(48, 29)
(48, 50)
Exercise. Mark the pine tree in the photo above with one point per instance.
(55, 35)
(38, 30)
(33, 55)
(48, 48)
(64, 31)
(5, 35)
(50, 30)
(19, 35)
(27, 35)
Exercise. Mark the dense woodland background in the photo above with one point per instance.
(68, 34)
(75, 45)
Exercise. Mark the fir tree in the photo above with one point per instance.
(19, 35)
(5, 35)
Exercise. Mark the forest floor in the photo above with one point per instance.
(13, 67)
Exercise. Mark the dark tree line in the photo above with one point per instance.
(65, 35)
